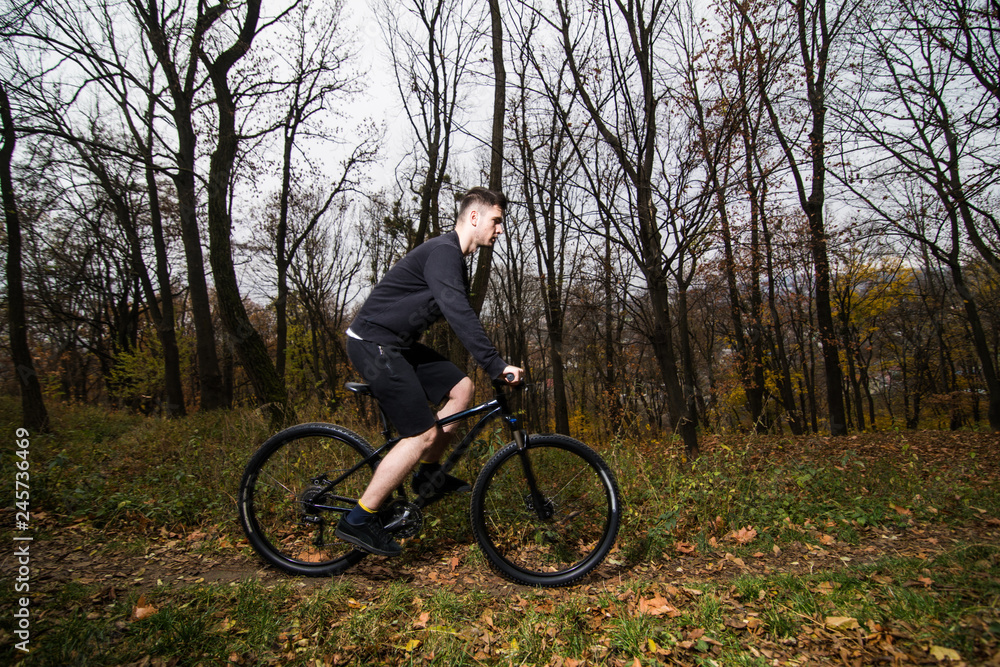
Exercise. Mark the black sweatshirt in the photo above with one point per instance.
(427, 283)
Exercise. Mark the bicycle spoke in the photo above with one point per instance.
(288, 504)
(580, 513)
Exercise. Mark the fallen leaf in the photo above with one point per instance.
(824, 588)
(685, 547)
(143, 609)
(842, 623)
(940, 653)
(225, 625)
(744, 535)
(734, 560)
(410, 646)
(658, 606)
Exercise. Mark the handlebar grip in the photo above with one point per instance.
(509, 377)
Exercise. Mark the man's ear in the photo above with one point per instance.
(473, 216)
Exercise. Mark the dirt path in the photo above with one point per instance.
(83, 555)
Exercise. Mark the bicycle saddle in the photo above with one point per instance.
(358, 388)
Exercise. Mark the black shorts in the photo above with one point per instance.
(405, 381)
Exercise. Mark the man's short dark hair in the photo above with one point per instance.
(477, 197)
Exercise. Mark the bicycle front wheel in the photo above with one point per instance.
(556, 534)
(292, 496)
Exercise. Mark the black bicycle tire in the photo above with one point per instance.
(248, 487)
(533, 577)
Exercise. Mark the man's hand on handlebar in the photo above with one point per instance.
(512, 375)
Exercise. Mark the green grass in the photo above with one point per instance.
(399, 623)
(133, 480)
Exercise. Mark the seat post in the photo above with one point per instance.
(386, 429)
(362, 389)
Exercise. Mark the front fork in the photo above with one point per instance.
(538, 503)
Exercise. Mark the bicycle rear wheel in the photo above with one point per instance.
(288, 504)
(557, 536)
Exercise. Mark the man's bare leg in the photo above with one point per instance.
(427, 446)
(393, 469)
(400, 460)
(458, 399)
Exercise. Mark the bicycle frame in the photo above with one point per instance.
(498, 407)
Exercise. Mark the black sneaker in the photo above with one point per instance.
(370, 536)
(433, 485)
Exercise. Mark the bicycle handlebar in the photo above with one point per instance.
(506, 381)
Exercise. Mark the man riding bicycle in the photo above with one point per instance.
(406, 376)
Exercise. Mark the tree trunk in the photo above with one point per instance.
(33, 412)
(687, 354)
(182, 93)
(661, 339)
(610, 374)
(815, 37)
(485, 262)
(172, 378)
(281, 255)
(981, 345)
(209, 376)
(794, 414)
(247, 342)
(824, 318)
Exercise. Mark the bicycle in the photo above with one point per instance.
(545, 509)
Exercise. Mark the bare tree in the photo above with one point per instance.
(317, 58)
(484, 260)
(432, 43)
(546, 163)
(623, 104)
(967, 31)
(102, 64)
(325, 277)
(33, 409)
(178, 51)
(919, 109)
(813, 29)
(251, 350)
(721, 111)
